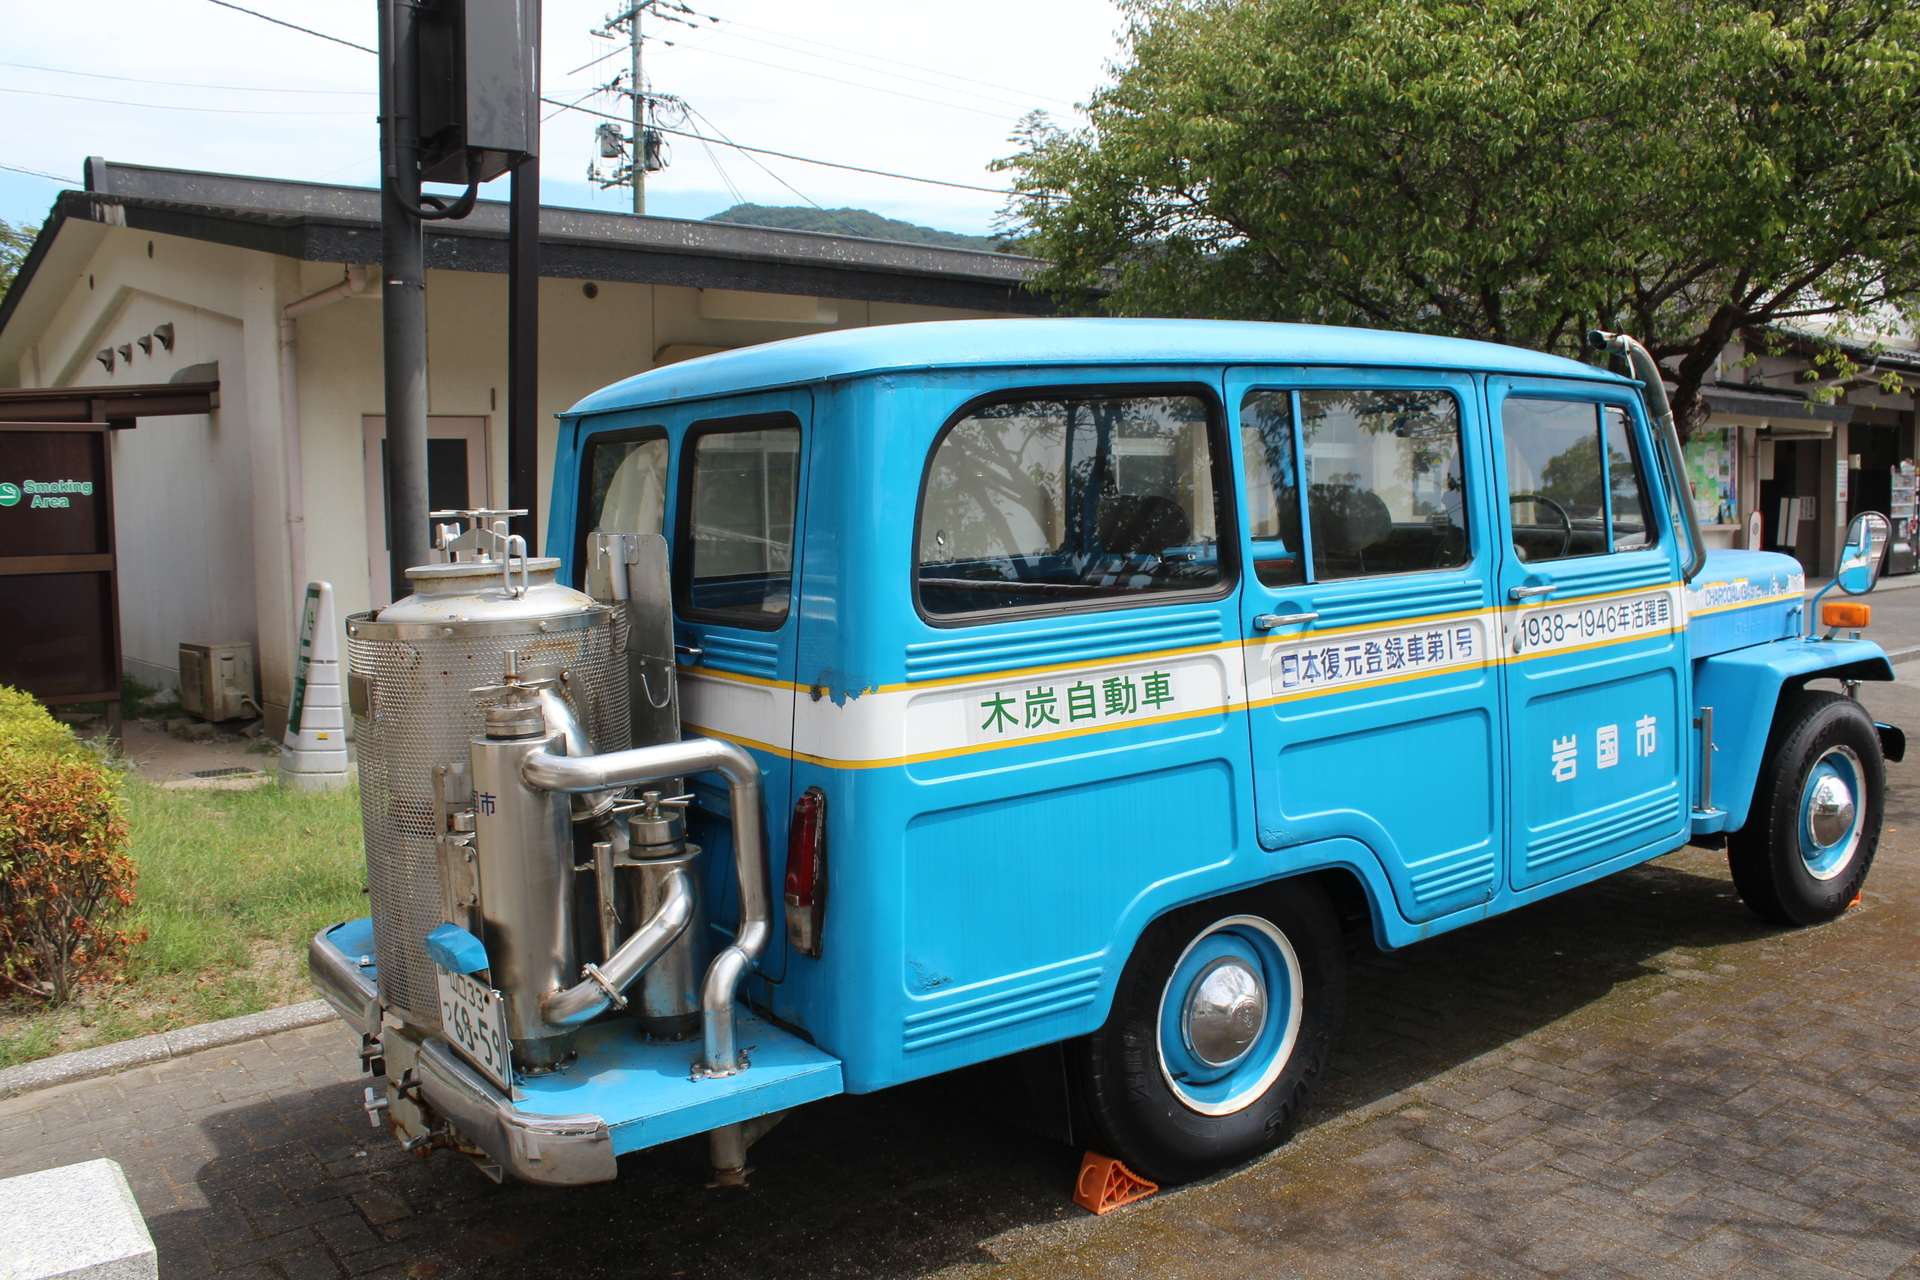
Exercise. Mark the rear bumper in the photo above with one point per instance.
(558, 1151)
(619, 1094)
(340, 964)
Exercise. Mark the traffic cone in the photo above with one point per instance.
(313, 754)
(1104, 1183)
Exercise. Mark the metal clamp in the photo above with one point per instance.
(1528, 593)
(614, 997)
(1268, 621)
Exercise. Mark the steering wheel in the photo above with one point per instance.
(1566, 521)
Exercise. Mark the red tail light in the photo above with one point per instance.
(806, 892)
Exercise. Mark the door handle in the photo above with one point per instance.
(691, 652)
(1268, 621)
(1527, 593)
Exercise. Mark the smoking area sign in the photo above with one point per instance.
(58, 597)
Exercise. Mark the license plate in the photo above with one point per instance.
(474, 1017)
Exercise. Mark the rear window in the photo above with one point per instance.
(1060, 500)
(623, 485)
(743, 484)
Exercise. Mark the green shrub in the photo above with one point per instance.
(65, 877)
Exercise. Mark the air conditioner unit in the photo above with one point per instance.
(216, 681)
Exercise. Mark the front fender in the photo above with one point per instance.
(1743, 688)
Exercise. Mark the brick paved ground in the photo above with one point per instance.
(1632, 1079)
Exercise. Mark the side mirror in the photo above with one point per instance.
(1860, 558)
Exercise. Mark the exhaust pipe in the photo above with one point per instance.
(581, 774)
(1647, 370)
(605, 983)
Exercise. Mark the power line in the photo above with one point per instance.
(35, 173)
(771, 174)
(282, 22)
(189, 84)
(817, 75)
(876, 70)
(913, 66)
(678, 133)
(161, 106)
(786, 155)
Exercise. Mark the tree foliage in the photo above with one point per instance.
(1516, 171)
(14, 243)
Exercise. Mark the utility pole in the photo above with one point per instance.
(639, 169)
(403, 292)
(643, 151)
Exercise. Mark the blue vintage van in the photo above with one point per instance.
(1104, 678)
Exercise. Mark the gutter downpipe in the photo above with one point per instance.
(577, 774)
(355, 282)
(1647, 370)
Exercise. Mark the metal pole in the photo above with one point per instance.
(403, 295)
(523, 350)
(639, 119)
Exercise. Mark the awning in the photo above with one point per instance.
(1777, 415)
(115, 406)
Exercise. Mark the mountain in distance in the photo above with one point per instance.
(852, 222)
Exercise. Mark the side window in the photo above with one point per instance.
(1627, 490)
(737, 523)
(1384, 487)
(1574, 485)
(1273, 494)
(623, 484)
(1070, 499)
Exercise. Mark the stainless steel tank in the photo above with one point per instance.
(413, 667)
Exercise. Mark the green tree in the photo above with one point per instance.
(1516, 171)
(14, 243)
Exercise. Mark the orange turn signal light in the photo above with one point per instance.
(1845, 613)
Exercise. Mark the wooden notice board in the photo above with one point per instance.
(59, 598)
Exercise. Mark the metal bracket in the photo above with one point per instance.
(1705, 725)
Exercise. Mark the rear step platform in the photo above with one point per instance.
(647, 1094)
(619, 1094)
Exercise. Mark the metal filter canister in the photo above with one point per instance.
(412, 669)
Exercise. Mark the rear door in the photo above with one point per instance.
(1373, 703)
(1592, 620)
(737, 529)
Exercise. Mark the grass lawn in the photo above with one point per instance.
(232, 885)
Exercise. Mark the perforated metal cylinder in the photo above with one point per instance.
(410, 688)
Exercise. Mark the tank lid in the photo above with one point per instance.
(437, 576)
(488, 591)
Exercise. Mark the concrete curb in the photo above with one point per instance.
(1909, 654)
(85, 1064)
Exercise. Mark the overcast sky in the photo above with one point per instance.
(909, 86)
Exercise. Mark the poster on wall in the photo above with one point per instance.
(1710, 466)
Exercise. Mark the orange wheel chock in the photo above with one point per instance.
(1104, 1183)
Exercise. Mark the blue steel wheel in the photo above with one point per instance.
(1814, 825)
(1220, 1030)
(1829, 827)
(1230, 1015)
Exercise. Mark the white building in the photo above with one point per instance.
(206, 549)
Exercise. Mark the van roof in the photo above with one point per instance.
(1026, 343)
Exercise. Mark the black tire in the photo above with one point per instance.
(1782, 870)
(1130, 1098)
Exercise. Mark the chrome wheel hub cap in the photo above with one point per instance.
(1829, 811)
(1225, 1012)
